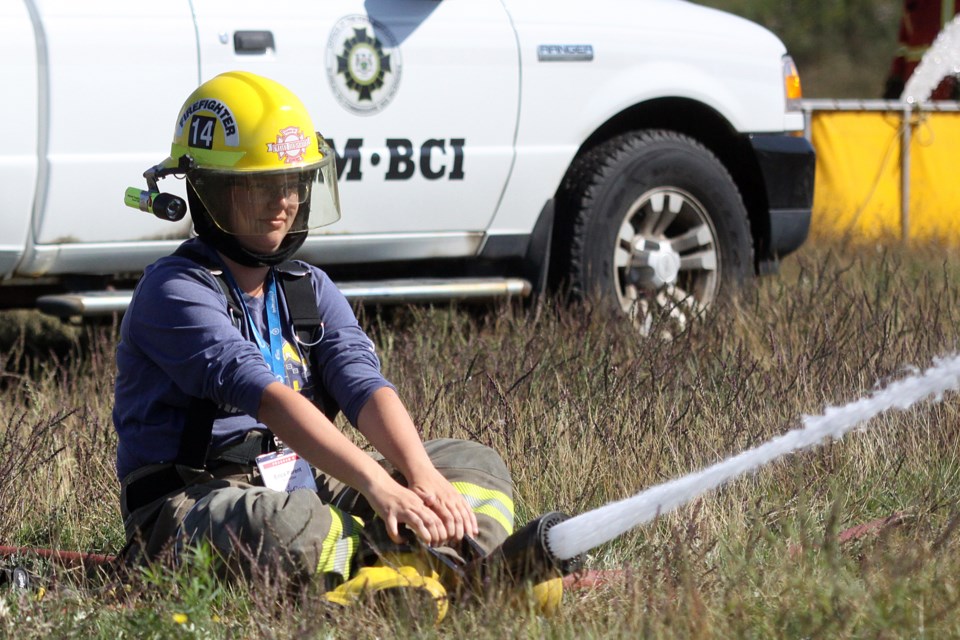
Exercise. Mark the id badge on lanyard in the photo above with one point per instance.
(284, 470)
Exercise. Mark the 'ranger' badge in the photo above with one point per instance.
(363, 64)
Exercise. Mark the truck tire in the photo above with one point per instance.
(659, 228)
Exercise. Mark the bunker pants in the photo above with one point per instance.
(302, 533)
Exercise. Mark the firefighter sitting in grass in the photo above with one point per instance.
(234, 359)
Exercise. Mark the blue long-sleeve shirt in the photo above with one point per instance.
(178, 342)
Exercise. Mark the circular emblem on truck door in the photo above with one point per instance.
(363, 64)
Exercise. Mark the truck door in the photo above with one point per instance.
(19, 112)
(114, 77)
(419, 97)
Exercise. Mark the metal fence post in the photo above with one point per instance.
(905, 135)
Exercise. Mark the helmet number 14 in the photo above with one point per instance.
(201, 132)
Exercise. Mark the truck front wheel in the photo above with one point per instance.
(660, 228)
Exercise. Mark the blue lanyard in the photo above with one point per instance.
(273, 352)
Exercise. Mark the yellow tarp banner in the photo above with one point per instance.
(858, 187)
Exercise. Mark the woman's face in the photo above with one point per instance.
(263, 210)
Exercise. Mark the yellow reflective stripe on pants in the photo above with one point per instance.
(340, 543)
(494, 504)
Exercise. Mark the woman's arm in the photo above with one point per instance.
(351, 373)
(297, 422)
(385, 422)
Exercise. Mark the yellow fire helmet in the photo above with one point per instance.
(247, 145)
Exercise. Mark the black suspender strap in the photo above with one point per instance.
(307, 323)
(233, 305)
(195, 441)
(301, 302)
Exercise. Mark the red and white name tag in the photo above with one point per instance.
(285, 471)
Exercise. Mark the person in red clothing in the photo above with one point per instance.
(920, 23)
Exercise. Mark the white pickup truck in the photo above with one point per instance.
(649, 151)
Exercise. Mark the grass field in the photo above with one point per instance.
(585, 411)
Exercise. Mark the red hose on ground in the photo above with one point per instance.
(66, 558)
(589, 579)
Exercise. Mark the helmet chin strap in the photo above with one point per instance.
(230, 246)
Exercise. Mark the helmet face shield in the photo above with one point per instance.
(326, 195)
(254, 203)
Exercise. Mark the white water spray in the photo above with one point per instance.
(591, 529)
(942, 59)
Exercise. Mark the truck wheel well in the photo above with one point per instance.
(697, 121)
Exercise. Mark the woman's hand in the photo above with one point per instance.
(387, 425)
(431, 507)
(396, 505)
(296, 421)
(454, 513)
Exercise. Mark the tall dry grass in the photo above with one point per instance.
(586, 411)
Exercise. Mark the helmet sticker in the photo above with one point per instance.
(201, 134)
(363, 64)
(290, 145)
